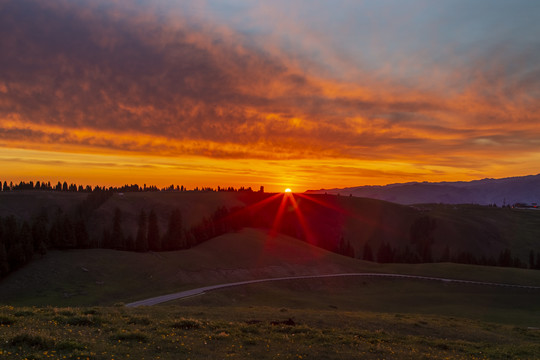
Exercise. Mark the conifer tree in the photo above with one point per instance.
(4, 265)
(173, 238)
(117, 234)
(81, 235)
(367, 253)
(141, 242)
(25, 238)
(154, 240)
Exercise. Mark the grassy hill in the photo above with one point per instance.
(479, 230)
(486, 230)
(71, 292)
(106, 277)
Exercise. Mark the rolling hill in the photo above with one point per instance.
(341, 224)
(98, 276)
(106, 277)
(525, 189)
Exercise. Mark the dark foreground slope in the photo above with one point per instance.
(107, 277)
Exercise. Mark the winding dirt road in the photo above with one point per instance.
(202, 290)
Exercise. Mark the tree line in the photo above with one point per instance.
(419, 250)
(22, 241)
(64, 186)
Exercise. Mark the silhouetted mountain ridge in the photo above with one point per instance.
(522, 189)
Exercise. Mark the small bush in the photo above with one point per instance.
(6, 320)
(81, 321)
(91, 312)
(36, 342)
(139, 321)
(187, 324)
(66, 313)
(69, 345)
(130, 336)
(23, 313)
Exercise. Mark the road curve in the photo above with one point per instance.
(199, 291)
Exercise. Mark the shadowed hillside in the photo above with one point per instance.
(525, 189)
(362, 228)
(90, 277)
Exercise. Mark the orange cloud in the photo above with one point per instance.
(87, 78)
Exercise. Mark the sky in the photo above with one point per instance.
(305, 94)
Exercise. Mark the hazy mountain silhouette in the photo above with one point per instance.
(524, 189)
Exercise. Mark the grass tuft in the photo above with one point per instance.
(139, 321)
(129, 336)
(23, 313)
(187, 324)
(6, 320)
(69, 345)
(33, 341)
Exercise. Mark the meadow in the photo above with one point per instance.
(248, 332)
(71, 303)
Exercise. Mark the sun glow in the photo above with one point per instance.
(287, 190)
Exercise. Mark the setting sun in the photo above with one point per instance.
(287, 190)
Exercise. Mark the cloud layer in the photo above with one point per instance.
(115, 77)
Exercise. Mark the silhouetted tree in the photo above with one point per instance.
(154, 240)
(173, 238)
(25, 238)
(69, 240)
(15, 256)
(532, 265)
(345, 247)
(385, 254)
(81, 235)
(445, 257)
(465, 257)
(11, 231)
(4, 264)
(40, 237)
(367, 253)
(505, 258)
(421, 234)
(141, 241)
(406, 255)
(106, 241)
(117, 234)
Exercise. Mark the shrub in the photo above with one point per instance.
(33, 341)
(187, 324)
(139, 321)
(6, 320)
(23, 313)
(130, 336)
(69, 345)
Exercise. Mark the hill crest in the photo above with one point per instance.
(504, 191)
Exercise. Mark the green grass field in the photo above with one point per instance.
(69, 304)
(346, 318)
(180, 332)
(108, 277)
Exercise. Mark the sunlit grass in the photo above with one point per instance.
(174, 332)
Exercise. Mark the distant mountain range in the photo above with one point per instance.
(524, 189)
